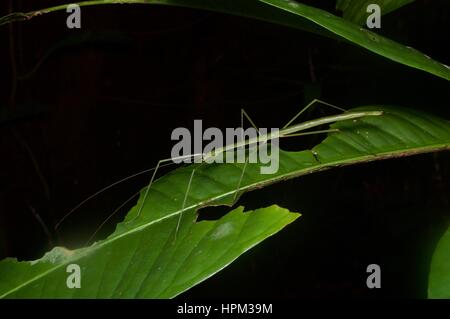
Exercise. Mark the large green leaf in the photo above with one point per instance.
(356, 10)
(300, 15)
(148, 261)
(439, 280)
(140, 260)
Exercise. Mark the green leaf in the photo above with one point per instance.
(248, 8)
(365, 38)
(148, 261)
(140, 258)
(291, 13)
(356, 10)
(439, 280)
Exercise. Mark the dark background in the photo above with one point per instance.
(80, 109)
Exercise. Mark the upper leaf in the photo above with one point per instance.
(356, 10)
(365, 38)
(291, 13)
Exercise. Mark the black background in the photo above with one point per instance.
(104, 100)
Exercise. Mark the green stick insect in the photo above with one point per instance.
(288, 130)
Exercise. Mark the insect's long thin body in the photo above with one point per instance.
(326, 120)
(291, 130)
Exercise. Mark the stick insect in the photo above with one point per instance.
(288, 130)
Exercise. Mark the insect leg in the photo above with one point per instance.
(244, 114)
(310, 105)
(184, 202)
(154, 175)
